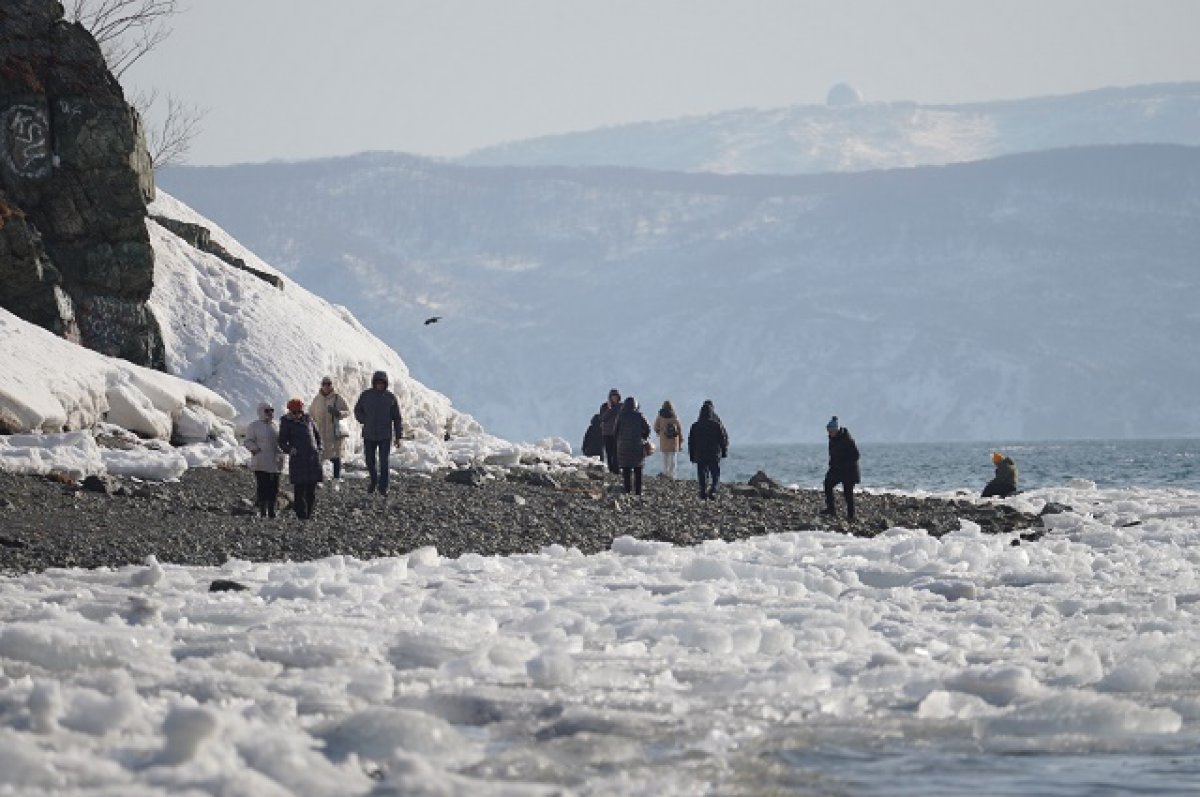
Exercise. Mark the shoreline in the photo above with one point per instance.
(207, 517)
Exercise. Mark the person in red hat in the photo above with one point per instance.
(300, 440)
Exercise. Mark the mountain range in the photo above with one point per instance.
(850, 135)
(1035, 296)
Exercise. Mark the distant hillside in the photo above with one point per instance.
(1050, 295)
(807, 139)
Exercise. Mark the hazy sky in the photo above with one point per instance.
(308, 78)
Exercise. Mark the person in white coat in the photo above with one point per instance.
(327, 409)
(262, 441)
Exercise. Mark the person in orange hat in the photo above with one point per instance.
(1004, 483)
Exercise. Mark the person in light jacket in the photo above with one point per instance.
(843, 468)
(632, 430)
(670, 437)
(708, 444)
(378, 410)
(262, 441)
(300, 440)
(327, 408)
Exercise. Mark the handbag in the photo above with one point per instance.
(341, 428)
(647, 448)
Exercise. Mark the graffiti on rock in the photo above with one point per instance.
(26, 150)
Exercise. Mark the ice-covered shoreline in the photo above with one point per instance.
(722, 667)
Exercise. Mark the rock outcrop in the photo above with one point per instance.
(75, 176)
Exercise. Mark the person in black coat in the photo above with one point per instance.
(609, 411)
(300, 440)
(631, 432)
(1004, 483)
(708, 444)
(593, 439)
(843, 468)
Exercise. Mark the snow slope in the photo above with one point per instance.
(232, 340)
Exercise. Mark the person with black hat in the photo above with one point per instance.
(843, 468)
(378, 410)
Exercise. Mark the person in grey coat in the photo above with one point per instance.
(631, 431)
(262, 441)
(378, 410)
(300, 440)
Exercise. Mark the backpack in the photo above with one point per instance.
(672, 430)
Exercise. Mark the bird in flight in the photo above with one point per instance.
(432, 320)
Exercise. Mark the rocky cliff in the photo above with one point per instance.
(75, 176)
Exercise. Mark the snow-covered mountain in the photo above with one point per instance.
(847, 135)
(232, 339)
(1047, 295)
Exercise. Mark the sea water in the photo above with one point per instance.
(945, 467)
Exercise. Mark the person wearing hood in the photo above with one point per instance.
(378, 410)
(670, 437)
(609, 412)
(300, 440)
(266, 460)
(327, 408)
(708, 444)
(632, 430)
(1004, 483)
(843, 468)
(593, 439)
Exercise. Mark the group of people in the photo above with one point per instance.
(306, 439)
(619, 435)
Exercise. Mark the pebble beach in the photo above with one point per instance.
(207, 517)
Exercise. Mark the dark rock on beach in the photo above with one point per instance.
(203, 518)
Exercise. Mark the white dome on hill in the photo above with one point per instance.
(842, 94)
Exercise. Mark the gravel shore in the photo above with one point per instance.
(207, 517)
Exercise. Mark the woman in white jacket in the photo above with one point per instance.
(327, 408)
(262, 441)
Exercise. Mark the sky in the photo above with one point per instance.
(296, 79)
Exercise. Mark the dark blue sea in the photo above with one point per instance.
(940, 467)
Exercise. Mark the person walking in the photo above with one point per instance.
(1004, 483)
(327, 408)
(593, 439)
(843, 468)
(300, 440)
(266, 460)
(632, 431)
(378, 410)
(609, 412)
(670, 437)
(708, 444)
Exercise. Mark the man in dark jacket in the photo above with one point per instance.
(609, 412)
(1005, 482)
(708, 444)
(843, 468)
(378, 410)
